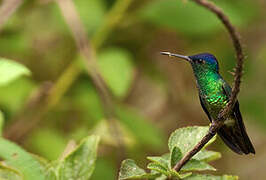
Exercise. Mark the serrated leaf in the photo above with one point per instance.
(117, 70)
(159, 168)
(161, 160)
(178, 174)
(145, 132)
(175, 156)
(195, 165)
(11, 70)
(129, 170)
(207, 156)
(79, 164)
(186, 138)
(185, 175)
(20, 160)
(211, 177)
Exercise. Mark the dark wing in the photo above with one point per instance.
(235, 136)
(223, 132)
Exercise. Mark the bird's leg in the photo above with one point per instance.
(215, 126)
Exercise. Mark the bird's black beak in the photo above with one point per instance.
(176, 55)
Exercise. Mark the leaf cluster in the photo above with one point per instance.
(161, 167)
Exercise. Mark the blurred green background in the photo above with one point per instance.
(153, 94)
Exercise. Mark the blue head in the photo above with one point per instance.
(199, 62)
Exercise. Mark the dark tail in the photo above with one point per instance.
(235, 135)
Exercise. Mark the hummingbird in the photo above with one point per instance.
(214, 94)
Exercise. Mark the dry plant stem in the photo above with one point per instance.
(89, 55)
(71, 145)
(33, 107)
(112, 19)
(7, 8)
(67, 78)
(215, 126)
(77, 29)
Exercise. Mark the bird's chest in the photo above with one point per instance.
(214, 98)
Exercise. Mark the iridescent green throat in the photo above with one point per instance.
(210, 85)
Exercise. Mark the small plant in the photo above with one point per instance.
(180, 142)
(78, 162)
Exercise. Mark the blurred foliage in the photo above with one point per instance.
(168, 12)
(153, 96)
(117, 70)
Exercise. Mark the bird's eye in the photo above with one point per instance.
(200, 61)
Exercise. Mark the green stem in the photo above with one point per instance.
(72, 71)
(113, 18)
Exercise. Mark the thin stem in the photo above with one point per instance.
(7, 8)
(112, 19)
(72, 72)
(238, 49)
(212, 131)
(236, 86)
(74, 23)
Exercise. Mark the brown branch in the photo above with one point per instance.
(7, 8)
(215, 126)
(89, 55)
(29, 115)
(72, 19)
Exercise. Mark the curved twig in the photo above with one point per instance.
(215, 126)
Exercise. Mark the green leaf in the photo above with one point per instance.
(195, 165)
(160, 160)
(145, 132)
(186, 138)
(207, 156)
(20, 160)
(22, 88)
(175, 156)
(51, 170)
(11, 70)
(7, 173)
(159, 168)
(162, 164)
(178, 175)
(191, 19)
(117, 70)
(129, 170)
(162, 177)
(79, 164)
(91, 13)
(211, 177)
